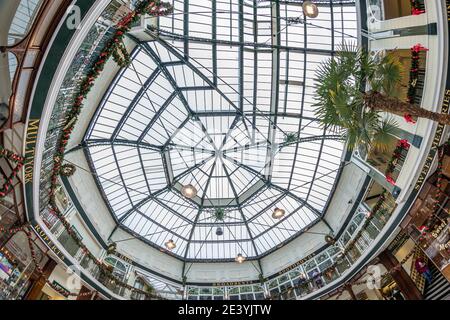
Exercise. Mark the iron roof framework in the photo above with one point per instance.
(210, 102)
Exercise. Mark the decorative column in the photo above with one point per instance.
(39, 284)
(401, 277)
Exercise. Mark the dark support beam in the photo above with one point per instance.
(243, 217)
(200, 210)
(401, 277)
(350, 291)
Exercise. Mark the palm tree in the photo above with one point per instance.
(344, 105)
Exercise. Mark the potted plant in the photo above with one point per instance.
(344, 105)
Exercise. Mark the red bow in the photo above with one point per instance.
(409, 118)
(416, 11)
(404, 144)
(418, 47)
(390, 180)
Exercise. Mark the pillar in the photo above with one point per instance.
(401, 277)
(38, 285)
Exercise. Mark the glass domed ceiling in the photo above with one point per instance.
(222, 100)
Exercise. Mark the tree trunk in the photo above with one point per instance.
(381, 102)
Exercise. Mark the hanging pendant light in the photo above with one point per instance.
(170, 245)
(310, 9)
(239, 258)
(278, 213)
(189, 191)
(219, 231)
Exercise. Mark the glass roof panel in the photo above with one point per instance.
(222, 99)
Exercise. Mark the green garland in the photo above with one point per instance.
(402, 145)
(116, 49)
(440, 174)
(378, 207)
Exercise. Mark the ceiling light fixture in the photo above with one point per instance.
(278, 213)
(170, 245)
(240, 258)
(189, 191)
(310, 9)
(219, 231)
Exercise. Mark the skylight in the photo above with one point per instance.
(223, 100)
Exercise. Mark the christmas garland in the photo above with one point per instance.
(10, 231)
(116, 49)
(7, 186)
(381, 277)
(351, 244)
(440, 174)
(413, 78)
(417, 7)
(402, 145)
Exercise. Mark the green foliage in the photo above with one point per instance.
(290, 137)
(219, 214)
(340, 91)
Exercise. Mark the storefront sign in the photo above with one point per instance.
(444, 246)
(437, 231)
(297, 264)
(233, 284)
(124, 258)
(436, 143)
(43, 236)
(30, 149)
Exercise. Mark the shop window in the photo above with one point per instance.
(354, 253)
(342, 264)
(120, 271)
(380, 159)
(396, 8)
(259, 296)
(322, 257)
(138, 284)
(392, 9)
(69, 243)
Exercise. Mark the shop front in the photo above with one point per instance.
(16, 268)
(429, 219)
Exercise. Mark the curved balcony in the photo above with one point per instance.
(314, 276)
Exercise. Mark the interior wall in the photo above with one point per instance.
(396, 8)
(91, 201)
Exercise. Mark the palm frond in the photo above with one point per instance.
(339, 95)
(384, 134)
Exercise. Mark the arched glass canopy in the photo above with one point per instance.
(222, 99)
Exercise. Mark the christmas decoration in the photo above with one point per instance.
(413, 78)
(440, 175)
(67, 170)
(402, 145)
(112, 247)
(11, 156)
(352, 243)
(330, 239)
(417, 7)
(408, 118)
(115, 49)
